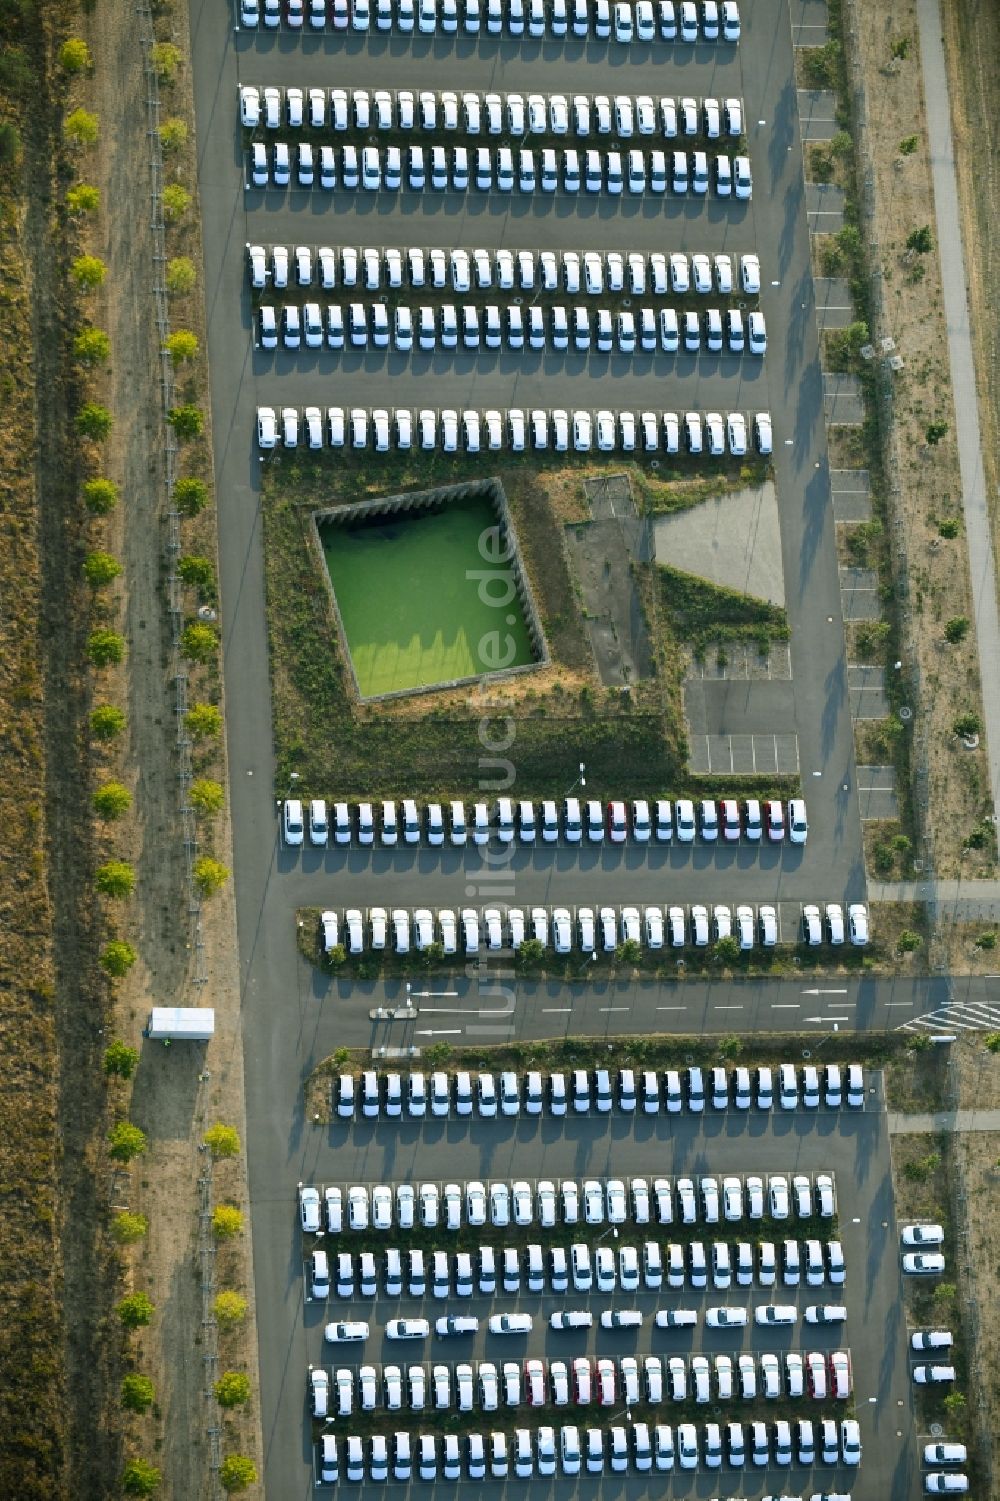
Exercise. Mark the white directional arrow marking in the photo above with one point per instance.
(823, 992)
(826, 1018)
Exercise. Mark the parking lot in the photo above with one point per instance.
(701, 1221)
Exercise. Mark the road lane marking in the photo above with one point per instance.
(556, 1010)
(670, 1008)
(612, 1008)
(786, 1005)
(727, 1008)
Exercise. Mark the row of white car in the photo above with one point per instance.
(558, 1269)
(576, 821)
(581, 115)
(587, 930)
(583, 1381)
(471, 431)
(646, 1090)
(594, 1451)
(648, 21)
(457, 169)
(558, 328)
(686, 1201)
(591, 272)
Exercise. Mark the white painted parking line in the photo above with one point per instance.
(613, 1008)
(670, 1008)
(727, 1008)
(556, 1010)
(786, 1005)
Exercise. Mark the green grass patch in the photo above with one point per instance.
(701, 613)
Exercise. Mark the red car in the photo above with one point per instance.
(617, 823)
(729, 817)
(774, 820)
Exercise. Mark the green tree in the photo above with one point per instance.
(176, 202)
(226, 1221)
(730, 1047)
(166, 59)
(190, 495)
(944, 1293)
(140, 1478)
(105, 647)
(120, 1061)
(92, 346)
(187, 421)
(182, 346)
(727, 950)
(81, 128)
(934, 432)
(232, 1389)
(222, 1141)
(849, 240)
(530, 954)
(335, 957)
(209, 875)
(10, 141)
(93, 421)
(956, 629)
(128, 1228)
(237, 1472)
(136, 1310)
(821, 64)
(992, 1039)
(438, 1053)
(83, 199)
(126, 1141)
(180, 275)
(138, 1393)
(112, 800)
(203, 721)
(841, 145)
(173, 134)
(908, 145)
(230, 1309)
(107, 722)
(100, 496)
(949, 527)
(954, 1404)
(629, 952)
(88, 271)
(199, 641)
(198, 573)
(101, 569)
(921, 240)
(908, 941)
(207, 797)
(74, 56)
(966, 725)
(115, 878)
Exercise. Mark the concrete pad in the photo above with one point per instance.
(733, 541)
(743, 660)
(859, 594)
(744, 708)
(851, 490)
(824, 207)
(877, 792)
(842, 400)
(834, 308)
(817, 114)
(744, 755)
(866, 692)
(809, 22)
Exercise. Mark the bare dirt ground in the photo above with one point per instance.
(928, 475)
(177, 1092)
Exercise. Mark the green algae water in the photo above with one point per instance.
(412, 614)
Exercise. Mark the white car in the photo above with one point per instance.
(922, 1235)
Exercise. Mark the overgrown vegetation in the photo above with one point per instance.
(702, 613)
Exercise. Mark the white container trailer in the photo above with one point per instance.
(181, 1024)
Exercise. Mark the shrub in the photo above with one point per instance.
(140, 1478)
(628, 952)
(226, 1221)
(209, 875)
(530, 954)
(821, 64)
(232, 1389)
(222, 1141)
(730, 1047)
(841, 145)
(923, 1168)
(138, 1393)
(335, 957)
(966, 725)
(115, 878)
(128, 1228)
(954, 1404)
(136, 1310)
(230, 1309)
(199, 641)
(92, 346)
(100, 496)
(126, 1141)
(921, 240)
(93, 421)
(10, 142)
(83, 199)
(120, 1061)
(112, 800)
(117, 958)
(908, 145)
(849, 240)
(186, 421)
(908, 941)
(237, 1472)
(198, 573)
(949, 526)
(934, 432)
(992, 1039)
(166, 59)
(203, 721)
(180, 275)
(88, 271)
(190, 496)
(956, 629)
(727, 950)
(207, 797)
(182, 346)
(81, 128)
(107, 722)
(100, 569)
(173, 134)
(105, 647)
(74, 55)
(176, 202)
